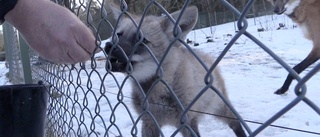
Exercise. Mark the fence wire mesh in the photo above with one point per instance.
(88, 99)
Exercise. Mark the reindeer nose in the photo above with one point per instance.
(108, 47)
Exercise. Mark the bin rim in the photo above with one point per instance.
(39, 85)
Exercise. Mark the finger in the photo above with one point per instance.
(77, 54)
(85, 39)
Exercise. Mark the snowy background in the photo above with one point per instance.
(251, 77)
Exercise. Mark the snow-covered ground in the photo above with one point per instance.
(251, 77)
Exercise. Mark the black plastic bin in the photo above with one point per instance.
(23, 110)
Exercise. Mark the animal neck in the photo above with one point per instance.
(146, 84)
(300, 12)
(292, 7)
(292, 15)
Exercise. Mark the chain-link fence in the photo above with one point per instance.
(90, 99)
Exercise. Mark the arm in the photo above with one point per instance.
(53, 31)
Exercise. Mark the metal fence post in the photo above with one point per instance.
(7, 32)
(25, 60)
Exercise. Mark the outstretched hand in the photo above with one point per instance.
(53, 31)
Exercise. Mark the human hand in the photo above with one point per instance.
(53, 31)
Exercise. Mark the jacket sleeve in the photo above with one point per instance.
(5, 7)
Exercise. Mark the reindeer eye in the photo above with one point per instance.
(119, 34)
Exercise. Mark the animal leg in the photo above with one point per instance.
(149, 130)
(231, 121)
(194, 125)
(237, 128)
(310, 59)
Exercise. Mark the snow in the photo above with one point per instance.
(251, 77)
(3, 74)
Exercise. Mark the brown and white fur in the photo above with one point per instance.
(180, 72)
(306, 13)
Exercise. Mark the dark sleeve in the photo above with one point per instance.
(5, 7)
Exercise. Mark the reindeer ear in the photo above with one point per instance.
(115, 11)
(188, 19)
